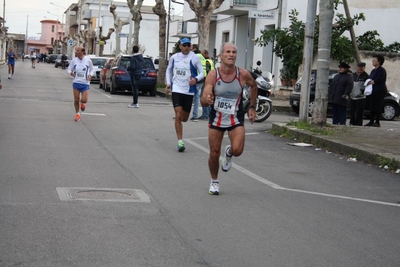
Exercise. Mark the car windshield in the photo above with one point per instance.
(99, 61)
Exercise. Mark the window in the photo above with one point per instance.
(225, 37)
(52, 40)
(52, 28)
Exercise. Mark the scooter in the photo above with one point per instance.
(263, 103)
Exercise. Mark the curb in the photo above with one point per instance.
(335, 146)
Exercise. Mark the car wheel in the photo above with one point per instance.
(389, 111)
(113, 89)
(106, 87)
(153, 92)
(295, 109)
(55, 66)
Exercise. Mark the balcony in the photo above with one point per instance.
(236, 7)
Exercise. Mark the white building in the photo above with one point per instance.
(91, 14)
(231, 23)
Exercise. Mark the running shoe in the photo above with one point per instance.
(227, 162)
(77, 117)
(214, 188)
(194, 119)
(133, 105)
(83, 106)
(181, 146)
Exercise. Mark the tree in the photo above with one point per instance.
(203, 10)
(326, 14)
(159, 10)
(118, 23)
(136, 17)
(104, 38)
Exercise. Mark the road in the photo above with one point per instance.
(280, 205)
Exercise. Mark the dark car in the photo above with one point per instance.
(103, 72)
(118, 79)
(391, 104)
(57, 63)
(51, 58)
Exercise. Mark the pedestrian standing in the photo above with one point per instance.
(357, 97)
(209, 67)
(199, 84)
(223, 92)
(81, 69)
(338, 94)
(135, 72)
(183, 72)
(11, 62)
(379, 90)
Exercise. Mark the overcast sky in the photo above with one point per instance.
(20, 13)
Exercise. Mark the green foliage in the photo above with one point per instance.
(369, 41)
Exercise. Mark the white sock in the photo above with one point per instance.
(228, 153)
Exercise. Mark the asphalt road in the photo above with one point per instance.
(280, 205)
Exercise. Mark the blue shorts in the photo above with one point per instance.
(80, 87)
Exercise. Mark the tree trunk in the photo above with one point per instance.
(159, 10)
(326, 13)
(203, 11)
(104, 38)
(136, 17)
(118, 23)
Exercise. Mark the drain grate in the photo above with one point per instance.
(102, 194)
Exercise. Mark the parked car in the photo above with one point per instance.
(391, 103)
(98, 64)
(51, 58)
(57, 63)
(117, 78)
(103, 72)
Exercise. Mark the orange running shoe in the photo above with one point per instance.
(83, 106)
(77, 117)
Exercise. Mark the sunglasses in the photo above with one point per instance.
(186, 45)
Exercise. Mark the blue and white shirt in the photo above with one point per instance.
(82, 68)
(180, 68)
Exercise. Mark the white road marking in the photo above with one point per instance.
(276, 186)
(100, 92)
(93, 114)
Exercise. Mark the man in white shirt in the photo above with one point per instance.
(81, 69)
(183, 72)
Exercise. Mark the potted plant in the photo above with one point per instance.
(284, 76)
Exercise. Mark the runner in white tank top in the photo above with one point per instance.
(223, 92)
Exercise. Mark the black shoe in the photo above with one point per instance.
(194, 119)
(376, 124)
(369, 124)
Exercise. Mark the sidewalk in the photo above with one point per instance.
(377, 146)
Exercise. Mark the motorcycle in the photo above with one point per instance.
(263, 104)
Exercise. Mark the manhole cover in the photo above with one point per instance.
(102, 194)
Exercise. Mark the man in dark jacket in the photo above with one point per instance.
(135, 70)
(357, 100)
(338, 94)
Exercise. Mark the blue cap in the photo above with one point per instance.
(185, 41)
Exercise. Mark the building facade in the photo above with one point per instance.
(240, 21)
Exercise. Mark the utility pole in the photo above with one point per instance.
(307, 59)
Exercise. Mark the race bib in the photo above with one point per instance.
(225, 105)
(182, 73)
(80, 74)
